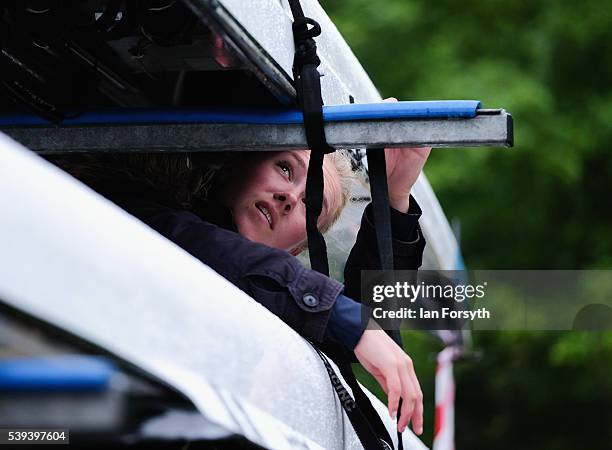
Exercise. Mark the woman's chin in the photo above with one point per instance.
(251, 231)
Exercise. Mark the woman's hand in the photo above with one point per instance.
(393, 370)
(403, 168)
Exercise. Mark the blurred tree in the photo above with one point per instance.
(543, 204)
(547, 62)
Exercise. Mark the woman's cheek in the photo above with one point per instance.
(300, 231)
(246, 225)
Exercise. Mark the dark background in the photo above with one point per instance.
(544, 204)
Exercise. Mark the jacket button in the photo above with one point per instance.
(310, 300)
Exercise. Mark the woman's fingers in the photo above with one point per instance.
(394, 371)
(408, 398)
(394, 388)
(417, 415)
(412, 399)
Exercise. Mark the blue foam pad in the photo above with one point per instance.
(439, 109)
(55, 373)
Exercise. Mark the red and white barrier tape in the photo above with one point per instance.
(444, 428)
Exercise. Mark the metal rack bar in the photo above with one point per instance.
(487, 130)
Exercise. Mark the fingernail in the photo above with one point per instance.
(393, 414)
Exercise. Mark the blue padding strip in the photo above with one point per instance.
(55, 373)
(438, 109)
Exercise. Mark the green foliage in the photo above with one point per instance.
(542, 204)
(536, 390)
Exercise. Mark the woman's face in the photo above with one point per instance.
(267, 198)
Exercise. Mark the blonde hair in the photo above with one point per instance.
(340, 161)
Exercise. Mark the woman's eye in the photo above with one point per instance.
(285, 168)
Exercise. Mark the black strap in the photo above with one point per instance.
(364, 419)
(308, 87)
(369, 432)
(377, 170)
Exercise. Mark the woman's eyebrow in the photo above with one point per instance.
(299, 160)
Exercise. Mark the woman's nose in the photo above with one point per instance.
(286, 200)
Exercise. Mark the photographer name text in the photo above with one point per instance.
(423, 313)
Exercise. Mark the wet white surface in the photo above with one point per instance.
(76, 260)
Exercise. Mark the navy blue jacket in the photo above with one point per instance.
(345, 323)
(302, 298)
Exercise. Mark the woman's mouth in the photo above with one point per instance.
(263, 208)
